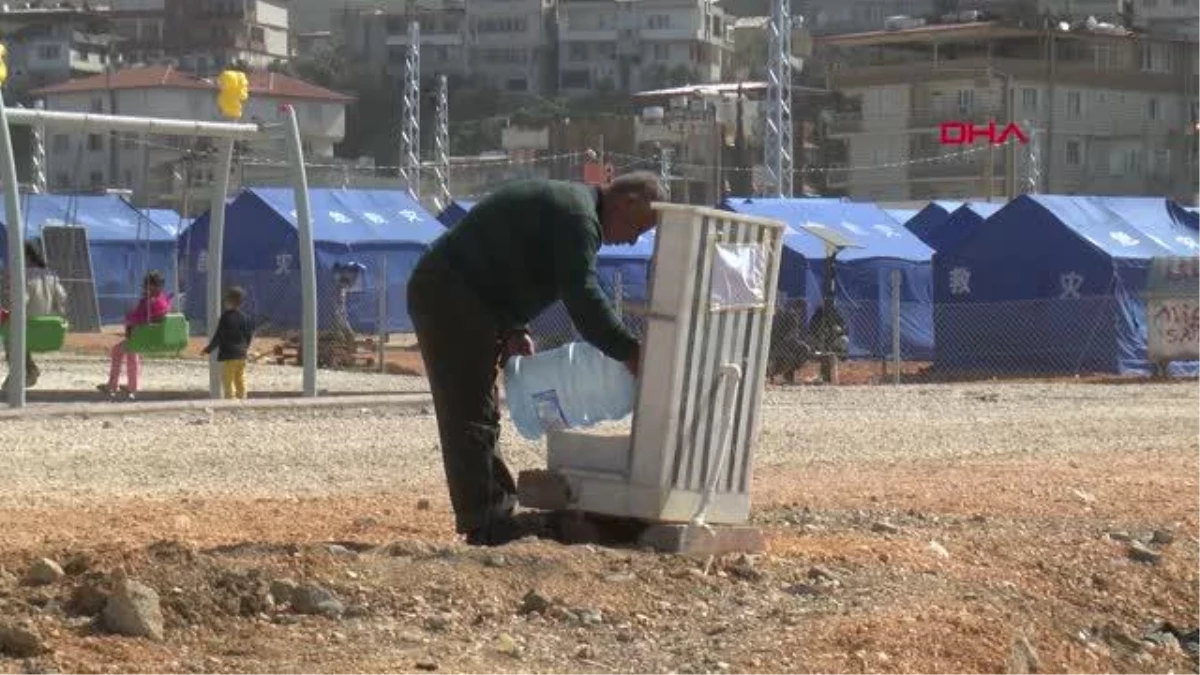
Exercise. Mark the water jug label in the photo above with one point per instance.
(549, 411)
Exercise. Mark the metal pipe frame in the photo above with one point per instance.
(229, 132)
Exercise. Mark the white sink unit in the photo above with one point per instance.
(690, 455)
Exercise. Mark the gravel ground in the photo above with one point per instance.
(252, 453)
(973, 528)
(63, 373)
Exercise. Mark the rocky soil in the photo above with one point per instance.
(982, 528)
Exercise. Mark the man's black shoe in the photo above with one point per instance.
(508, 529)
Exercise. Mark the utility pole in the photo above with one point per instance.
(39, 154)
(664, 169)
(410, 132)
(441, 143)
(1010, 148)
(777, 142)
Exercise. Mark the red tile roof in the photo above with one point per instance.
(262, 83)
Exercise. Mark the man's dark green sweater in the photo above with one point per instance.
(531, 243)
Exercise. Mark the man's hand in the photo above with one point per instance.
(634, 363)
(518, 343)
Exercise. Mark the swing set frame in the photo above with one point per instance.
(227, 133)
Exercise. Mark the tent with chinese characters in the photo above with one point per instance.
(384, 230)
(863, 274)
(123, 244)
(1051, 284)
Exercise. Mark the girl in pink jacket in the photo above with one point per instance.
(152, 308)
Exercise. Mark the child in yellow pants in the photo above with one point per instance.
(231, 340)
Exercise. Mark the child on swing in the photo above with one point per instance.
(153, 307)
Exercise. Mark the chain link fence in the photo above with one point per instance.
(365, 341)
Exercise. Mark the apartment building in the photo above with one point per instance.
(48, 45)
(509, 43)
(1105, 114)
(203, 35)
(633, 45)
(378, 38)
(513, 43)
(144, 163)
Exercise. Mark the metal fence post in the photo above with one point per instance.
(381, 318)
(618, 294)
(896, 326)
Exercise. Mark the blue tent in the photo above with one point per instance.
(1051, 284)
(901, 216)
(123, 243)
(371, 227)
(958, 223)
(167, 219)
(863, 274)
(455, 212)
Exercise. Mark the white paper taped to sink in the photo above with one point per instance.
(568, 387)
(739, 273)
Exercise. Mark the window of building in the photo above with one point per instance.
(607, 50)
(1162, 162)
(49, 52)
(95, 143)
(578, 51)
(257, 34)
(1074, 104)
(576, 79)
(129, 140)
(1125, 162)
(1155, 58)
(501, 24)
(97, 104)
(1152, 110)
(517, 84)
(662, 52)
(1029, 99)
(966, 101)
(96, 179)
(1074, 153)
(61, 143)
(658, 21)
(128, 178)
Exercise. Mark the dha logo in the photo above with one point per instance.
(966, 133)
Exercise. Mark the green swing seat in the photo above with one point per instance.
(169, 336)
(42, 333)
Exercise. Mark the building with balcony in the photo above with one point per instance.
(142, 27)
(146, 163)
(513, 43)
(1105, 114)
(203, 35)
(507, 43)
(633, 45)
(377, 39)
(47, 45)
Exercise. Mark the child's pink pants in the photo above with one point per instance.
(133, 365)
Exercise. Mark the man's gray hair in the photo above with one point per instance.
(644, 184)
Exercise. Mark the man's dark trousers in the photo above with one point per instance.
(460, 344)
